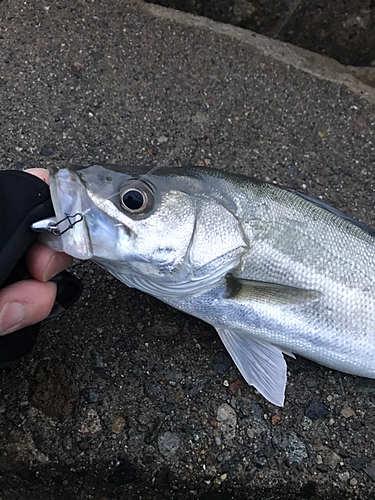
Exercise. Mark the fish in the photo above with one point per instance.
(274, 271)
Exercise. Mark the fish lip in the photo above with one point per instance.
(68, 195)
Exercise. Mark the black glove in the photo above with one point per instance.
(25, 199)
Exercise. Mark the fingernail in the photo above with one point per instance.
(52, 268)
(11, 317)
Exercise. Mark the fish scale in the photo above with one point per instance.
(273, 270)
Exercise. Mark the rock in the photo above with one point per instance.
(332, 460)
(347, 412)
(234, 386)
(316, 410)
(46, 151)
(168, 444)
(294, 448)
(91, 425)
(227, 421)
(311, 382)
(344, 477)
(154, 390)
(118, 425)
(97, 56)
(222, 362)
(91, 395)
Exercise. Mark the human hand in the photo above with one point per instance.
(30, 301)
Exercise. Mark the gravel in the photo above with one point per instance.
(119, 398)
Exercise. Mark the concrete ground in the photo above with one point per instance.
(124, 397)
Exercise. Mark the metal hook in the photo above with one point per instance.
(52, 226)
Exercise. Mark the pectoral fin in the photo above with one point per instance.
(243, 290)
(262, 365)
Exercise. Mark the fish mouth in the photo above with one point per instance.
(69, 200)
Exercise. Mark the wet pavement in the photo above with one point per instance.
(124, 397)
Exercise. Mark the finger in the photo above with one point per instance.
(42, 173)
(44, 263)
(25, 303)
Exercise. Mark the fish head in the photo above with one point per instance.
(152, 231)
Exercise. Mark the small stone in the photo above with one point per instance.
(294, 448)
(259, 460)
(222, 362)
(332, 460)
(162, 139)
(234, 386)
(46, 151)
(353, 482)
(311, 382)
(223, 477)
(227, 421)
(217, 482)
(344, 477)
(275, 419)
(316, 410)
(91, 395)
(92, 424)
(168, 444)
(226, 383)
(97, 56)
(319, 460)
(321, 134)
(347, 412)
(118, 425)
(213, 423)
(306, 423)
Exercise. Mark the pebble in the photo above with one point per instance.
(294, 448)
(319, 459)
(118, 425)
(332, 460)
(353, 482)
(306, 423)
(168, 444)
(46, 151)
(347, 412)
(162, 139)
(91, 424)
(311, 382)
(234, 386)
(91, 395)
(227, 421)
(344, 477)
(222, 362)
(316, 410)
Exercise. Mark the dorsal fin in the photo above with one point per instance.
(332, 210)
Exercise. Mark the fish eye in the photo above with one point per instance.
(136, 198)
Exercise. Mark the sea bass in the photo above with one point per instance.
(274, 271)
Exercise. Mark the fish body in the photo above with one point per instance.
(272, 270)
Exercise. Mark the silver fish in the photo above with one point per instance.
(273, 270)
